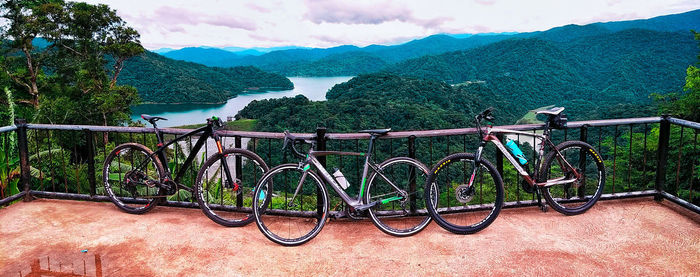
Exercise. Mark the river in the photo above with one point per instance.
(185, 114)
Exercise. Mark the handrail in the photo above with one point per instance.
(662, 153)
(684, 123)
(6, 129)
(351, 136)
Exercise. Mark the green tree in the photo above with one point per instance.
(21, 60)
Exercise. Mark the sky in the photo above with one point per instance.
(319, 23)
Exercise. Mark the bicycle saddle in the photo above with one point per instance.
(552, 111)
(379, 132)
(152, 119)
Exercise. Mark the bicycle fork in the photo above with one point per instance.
(301, 181)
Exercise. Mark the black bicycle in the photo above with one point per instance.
(136, 179)
(293, 204)
(570, 176)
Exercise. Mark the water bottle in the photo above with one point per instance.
(516, 151)
(340, 178)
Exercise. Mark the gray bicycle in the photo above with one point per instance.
(292, 203)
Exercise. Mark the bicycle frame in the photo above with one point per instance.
(490, 137)
(311, 160)
(206, 132)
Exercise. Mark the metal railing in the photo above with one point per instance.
(651, 156)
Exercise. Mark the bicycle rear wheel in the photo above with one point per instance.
(398, 191)
(131, 177)
(229, 202)
(581, 193)
(287, 219)
(460, 208)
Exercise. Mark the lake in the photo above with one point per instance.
(186, 114)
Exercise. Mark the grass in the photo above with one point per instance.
(531, 118)
(236, 125)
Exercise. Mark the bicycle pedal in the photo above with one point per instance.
(337, 215)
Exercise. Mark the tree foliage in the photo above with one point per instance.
(55, 54)
(163, 80)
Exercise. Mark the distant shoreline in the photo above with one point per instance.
(245, 92)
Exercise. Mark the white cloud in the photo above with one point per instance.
(322, 23)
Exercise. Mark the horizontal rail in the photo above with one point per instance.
(351, 136)
(513, 204)
(7, 129)
(529, 203)
(12, 198)
(683, 122)
(681, 202)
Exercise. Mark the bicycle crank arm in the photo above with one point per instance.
(366, 206)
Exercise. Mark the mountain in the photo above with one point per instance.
(605, 69)
(205, 56)
(321, 62)
(681, 22)
(163, 80)
(162, 50)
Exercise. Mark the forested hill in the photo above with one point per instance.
(622, 67)
(382, 100)
(377, 101)
(162, 80)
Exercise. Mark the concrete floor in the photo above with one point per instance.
(621, 237)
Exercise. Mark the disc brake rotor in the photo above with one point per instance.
(464, 193)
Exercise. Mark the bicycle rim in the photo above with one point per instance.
(461, 208)
(229, 202)
(285, 218)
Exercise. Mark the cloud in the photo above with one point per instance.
(485, 2)
(257, 7)
(368, 12)
(172, 16)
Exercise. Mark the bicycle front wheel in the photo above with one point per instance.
(292, 206)
(573, 194)
(229, 202)
(131, 178)
(397, 189)
(454, 204)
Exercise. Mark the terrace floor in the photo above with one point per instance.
(619, 237)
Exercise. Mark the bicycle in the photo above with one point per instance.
(296, 213)
(571, 177)
(136, 180)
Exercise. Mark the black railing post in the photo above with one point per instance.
(239, 171)
(582, 160)
(664, 135)
(91, 162)
(25, 176)
(320, 146)
(412, 173)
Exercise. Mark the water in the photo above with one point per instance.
(186, 114)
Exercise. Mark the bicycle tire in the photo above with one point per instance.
(268, 214)
(113, 173)
(230, 213)
(484, 212)
(558, 196)
(395, 222)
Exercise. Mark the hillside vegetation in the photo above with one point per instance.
(162, 80)
(604, 70)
